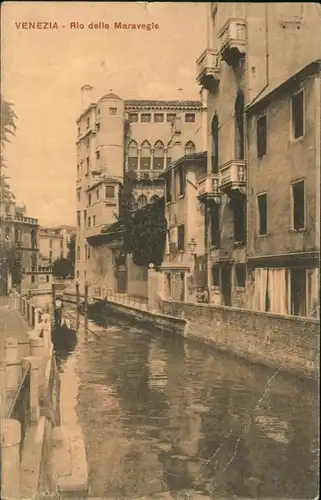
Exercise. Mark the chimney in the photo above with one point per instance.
(86, 96)
(179, 94)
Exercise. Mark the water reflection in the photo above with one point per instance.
(174, 417)
(64, 342)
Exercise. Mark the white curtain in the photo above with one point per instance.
(312, 293)
(260, 288)
(277, 291)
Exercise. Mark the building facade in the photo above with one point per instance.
(124, 144)
(263, 128)
(22, 232)
(53, 243)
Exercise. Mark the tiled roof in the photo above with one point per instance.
(146, 102)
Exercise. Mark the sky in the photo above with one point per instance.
(42, 72)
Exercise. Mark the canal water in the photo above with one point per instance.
(165, 418)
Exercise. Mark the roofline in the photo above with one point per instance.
(312, 68)
(196, 157)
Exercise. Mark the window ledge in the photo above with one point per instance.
(262, 235)
(301, 230)
(181, 196)
(238, 244)
(295, 141)
(214, 247)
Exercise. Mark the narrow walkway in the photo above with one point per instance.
(11, 324)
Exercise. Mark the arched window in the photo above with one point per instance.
(132, 156)
(33, 238)
(7, 233)
(145, 156)
(18, 236)
(169, 154)
(158, 160)
(142, 201)
(239, 126)
(189, 148)
(215, 144)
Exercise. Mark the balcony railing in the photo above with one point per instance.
(233, 40)
(141, 175)
(208, 69)
(208, 188)
(232, 176)
(21, 218)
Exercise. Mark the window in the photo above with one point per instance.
(85, 218)
(33, 278)
(298, 202)
(181, 238)
(262, 207)
(89, 221)
(89, 199)
(87, 165)
(88, 252)
(297, 113)
(168, 187)
(169, 155)
(97, 127)
(215, 276)
(109, 192)
(142, 201)
(81, 168)
(158, 160)
(190, 117)
(170, 117)
(112, 111)
(97, 155)
(146, 117)
(132, 156)
(50, 256)
(181, 181)
(87, 142)
(239, 221)
(78, 172)
(78, 131)
(88, 123)
(77, 274)
(97, 194)
(240, 274)
(158, 117)
(189, 148)
(98, 111)
(133, 117)
(145, 159)
(94, 220)
(78, 218)
(215, 225)
(78, 195)
(50, 243)
(261, 133)
(298, 291)
(239, 126)
(215, 144)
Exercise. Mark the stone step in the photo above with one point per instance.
(69, 462)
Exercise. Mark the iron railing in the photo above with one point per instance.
(20, 406)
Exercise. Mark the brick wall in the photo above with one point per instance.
(282, 342)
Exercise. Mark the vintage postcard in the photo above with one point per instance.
(159, 250)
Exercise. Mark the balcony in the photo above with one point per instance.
(208, 69)
(141, 175)
(21, 218)
(208, 189)
(232, 177)
(233, 41)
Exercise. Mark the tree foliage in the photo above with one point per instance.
(8, 123)
(145, 234)
(10, 261)
(62, 268)
(71, 256)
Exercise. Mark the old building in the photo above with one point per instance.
(53, 242)
(124, 144)
(22, 232)
(263, 102)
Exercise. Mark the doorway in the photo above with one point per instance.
(226, 285)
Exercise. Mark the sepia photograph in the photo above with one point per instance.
(160, 250)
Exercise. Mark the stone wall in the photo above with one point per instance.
(283, 342)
